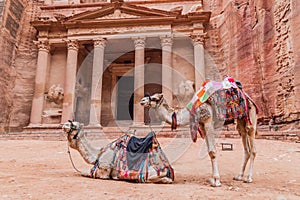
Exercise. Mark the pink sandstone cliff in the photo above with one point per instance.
(254, 41)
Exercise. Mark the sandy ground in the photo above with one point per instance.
(35, 169)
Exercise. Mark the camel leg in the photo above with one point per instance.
(241, 129)
(248, 179)
(251, 130)
(210, 141)
(154, 178)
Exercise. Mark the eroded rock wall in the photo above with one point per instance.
(256, 42)
(11, 19)
(25, 65)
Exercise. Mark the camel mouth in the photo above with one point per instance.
(66, 128)
(69, 126)
(145, 104)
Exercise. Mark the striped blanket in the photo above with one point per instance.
(207, 89)
(227, 97)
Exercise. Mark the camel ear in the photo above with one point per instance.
(70, 122)
(147, 94)
(161, 95)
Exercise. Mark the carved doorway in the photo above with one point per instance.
(125, 97)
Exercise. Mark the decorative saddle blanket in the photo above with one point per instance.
(135, 156)
(228, 99)
(230, 104)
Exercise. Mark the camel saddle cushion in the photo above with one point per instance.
(229, 104)
(137, 155)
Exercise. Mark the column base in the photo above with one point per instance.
(43, 128)
(34, 125)
(94, 126)
(137, 124)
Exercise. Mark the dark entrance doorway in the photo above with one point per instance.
(125, 98)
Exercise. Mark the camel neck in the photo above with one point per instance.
(86, 150)
(165, 113)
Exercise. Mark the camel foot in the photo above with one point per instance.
(214, 182)
(86, 173)
(165, 180)
(238, 178)
(248, 180)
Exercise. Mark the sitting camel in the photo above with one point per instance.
(246, 130)
(122, 159)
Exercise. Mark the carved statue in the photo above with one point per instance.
(55, 94)
(185, 91)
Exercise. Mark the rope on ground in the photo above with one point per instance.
(69, 152)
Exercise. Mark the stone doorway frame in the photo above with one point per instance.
(118, 70)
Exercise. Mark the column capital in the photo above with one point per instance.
(166, 40)
(43, 45)
(139, 42)
(73, 44)
(100, 42)
(198, 38)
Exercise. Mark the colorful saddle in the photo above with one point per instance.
(228, 99)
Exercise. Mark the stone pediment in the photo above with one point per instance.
(118, 14)
(120, 11)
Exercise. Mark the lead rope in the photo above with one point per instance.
(69, 152)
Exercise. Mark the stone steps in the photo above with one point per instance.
(60, 136)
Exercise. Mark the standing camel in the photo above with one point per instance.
(247, 131)
(117, 161)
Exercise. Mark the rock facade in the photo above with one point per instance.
(254, 41)
(13, 23)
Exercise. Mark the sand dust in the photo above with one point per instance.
(37, 169)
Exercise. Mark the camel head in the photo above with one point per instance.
(73, 130)
(151, 101)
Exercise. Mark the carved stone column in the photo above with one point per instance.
(70, 81)
(96, 93)
(139, 68)
(167, 78)
(40, 81)
(199, 60)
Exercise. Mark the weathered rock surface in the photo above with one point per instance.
(255, 41)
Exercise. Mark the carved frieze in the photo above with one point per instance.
(43, 34)
(117, 30)
(118, 14)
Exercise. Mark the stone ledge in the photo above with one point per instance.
(57, 134)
